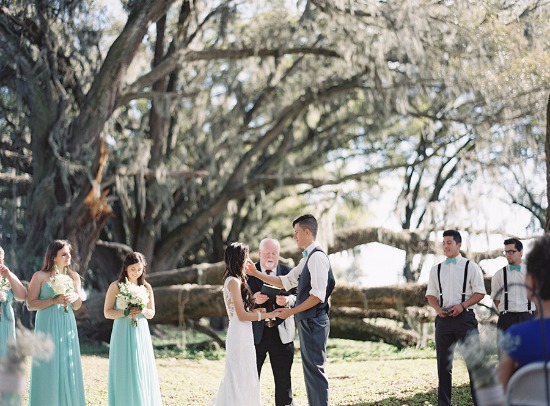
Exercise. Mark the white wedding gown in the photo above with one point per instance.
(240, 385)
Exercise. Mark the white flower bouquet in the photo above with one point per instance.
(131, 295)
(12, 366)
(61, 283)
(480, 353)
(4, 288)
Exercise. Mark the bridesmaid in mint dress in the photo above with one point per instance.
(57, 381)
(7, 318)
(133, 376)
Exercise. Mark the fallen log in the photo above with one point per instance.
(385, 297)
(360, 330)
(173, 305)
(178, 303)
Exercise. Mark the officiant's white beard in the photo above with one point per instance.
(270, 263)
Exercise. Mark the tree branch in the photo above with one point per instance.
(186, 56)
(11, 178)
(101, 99)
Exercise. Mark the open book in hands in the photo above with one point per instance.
(271, 291)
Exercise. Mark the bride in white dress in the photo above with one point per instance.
(240, 385)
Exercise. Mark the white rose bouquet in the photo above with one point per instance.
(131, 295)
(480, 353)
(4, 288)
(13, 365)
(61, 283)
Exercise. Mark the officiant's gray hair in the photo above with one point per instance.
(272, 240)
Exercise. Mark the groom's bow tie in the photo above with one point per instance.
(450, 261)
(304, 253)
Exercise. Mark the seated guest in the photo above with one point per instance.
(523, 343)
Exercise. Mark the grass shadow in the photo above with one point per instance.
(98, 349)
(101, 349)
(460, 397)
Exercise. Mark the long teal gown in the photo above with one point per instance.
(133, 376)
(57, 381)
(9, 396)
(7, 324)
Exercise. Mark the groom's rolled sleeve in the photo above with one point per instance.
(290, 280)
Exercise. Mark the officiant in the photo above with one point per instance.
(274, 337)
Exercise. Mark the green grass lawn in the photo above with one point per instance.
(360, 373)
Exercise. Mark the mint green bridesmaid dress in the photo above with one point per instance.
(57, 381)
(7, 324)
(133, 376)
(8, 396)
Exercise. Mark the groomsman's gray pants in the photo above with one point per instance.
(313, 335)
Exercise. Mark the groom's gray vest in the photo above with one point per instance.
(304, 287)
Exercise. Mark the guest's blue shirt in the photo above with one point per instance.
(523, 341)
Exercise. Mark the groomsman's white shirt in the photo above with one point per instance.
(517, 293)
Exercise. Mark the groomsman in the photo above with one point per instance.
(275, 338)
(315, 281)
(455, 285)
(508, 288)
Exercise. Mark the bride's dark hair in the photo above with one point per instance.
(235, 256)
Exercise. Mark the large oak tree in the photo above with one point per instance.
(189, 124)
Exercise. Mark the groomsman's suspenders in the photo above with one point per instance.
(463, 284)
(504, 272)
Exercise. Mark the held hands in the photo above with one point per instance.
(275, 313)
(284, 313)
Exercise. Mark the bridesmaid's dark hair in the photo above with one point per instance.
(235, 256)
(131, 259)
(51, 253)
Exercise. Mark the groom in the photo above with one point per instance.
(276, 340)
(315, 281)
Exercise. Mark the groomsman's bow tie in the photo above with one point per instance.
(450, 261)
(304, 253)
(515, 268)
